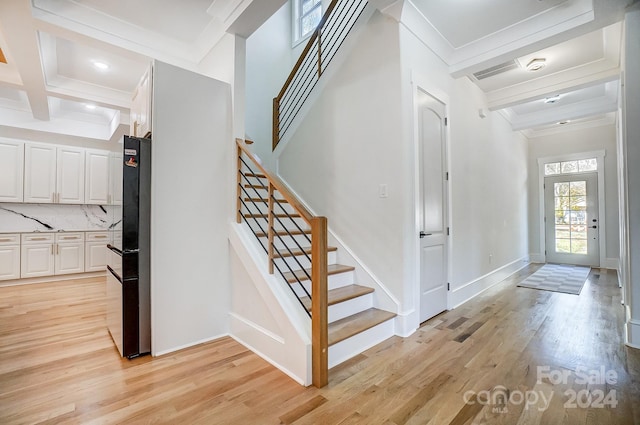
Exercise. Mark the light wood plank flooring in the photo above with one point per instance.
(59, 366)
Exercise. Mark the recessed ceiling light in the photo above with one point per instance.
(552, 99)
(90, 106)
(536, 64)
(101, 65)
(564, 122)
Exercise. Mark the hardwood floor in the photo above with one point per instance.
(58, 365)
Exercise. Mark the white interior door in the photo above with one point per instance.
(433, 207)
(571, 219)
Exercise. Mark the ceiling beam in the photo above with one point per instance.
(19, 33)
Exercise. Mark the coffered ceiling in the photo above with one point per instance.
(51, 81)
(491, 42)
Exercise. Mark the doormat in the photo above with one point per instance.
(558, 278)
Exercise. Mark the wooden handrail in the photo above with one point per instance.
(319, 262)
(278, 184)
(308, 47)
(312, 40)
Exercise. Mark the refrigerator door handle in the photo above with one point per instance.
(114, 249)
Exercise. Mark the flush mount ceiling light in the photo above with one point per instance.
(90, 106)
(536, 64)
(552, 99)
(100, 65)
(564, 122)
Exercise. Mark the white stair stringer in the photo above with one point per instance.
(265, 316)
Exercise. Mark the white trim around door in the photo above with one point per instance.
(602, 232)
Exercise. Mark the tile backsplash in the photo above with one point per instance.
(16, 218)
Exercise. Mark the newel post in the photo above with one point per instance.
(319, 312)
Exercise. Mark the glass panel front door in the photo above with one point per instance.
(571, 209)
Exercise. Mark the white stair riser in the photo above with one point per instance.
(350, 307)
(303, 262)
(334, 281)
(355, 345)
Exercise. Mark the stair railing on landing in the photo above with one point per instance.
(333, 29)
(251, 179)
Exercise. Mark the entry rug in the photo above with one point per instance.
(558, 278)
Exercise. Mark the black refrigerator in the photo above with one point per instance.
(128, 260)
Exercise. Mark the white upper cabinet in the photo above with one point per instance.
(70, 178)
(96, 190)
(11, 170)
(141, 106)
(39, 173)
(115, 178)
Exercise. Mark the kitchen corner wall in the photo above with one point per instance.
(192, 204)
(23, 218)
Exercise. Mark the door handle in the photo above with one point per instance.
(594, 227)
(423, 234)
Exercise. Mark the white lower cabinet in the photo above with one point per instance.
(9, 256)
(69, 253)
(37, 256)
(95, 251)
(49, 254)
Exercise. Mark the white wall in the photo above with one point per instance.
(350, 143)
(359, 134)
(631, 165)
(191, 207)
(488, 175)
(569, 142)
(269, 60)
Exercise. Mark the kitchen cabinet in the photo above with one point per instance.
(96, 189)
(69, 253)
(95, 251)
(37, 255)
(53, 174)
(9, 256)
(49, 254)
(141, 106)
(115, 178)
(70, 175)
(39, 173)
(11, 170)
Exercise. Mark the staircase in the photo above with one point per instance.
(344, 319)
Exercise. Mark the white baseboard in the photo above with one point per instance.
(632, 333)
(189, 345)
(464, 293)
(406, 323)
(59, 278)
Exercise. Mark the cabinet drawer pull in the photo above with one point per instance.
(100, 237)
(38, 239)
(52, 252)
(6, 240)
(70, 237)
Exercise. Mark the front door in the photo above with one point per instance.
(571, 219)
(433, 207)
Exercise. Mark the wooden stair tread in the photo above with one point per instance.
(285, 233)
(360, 322)
(301, 275)
(295, 252)
(342, 294)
